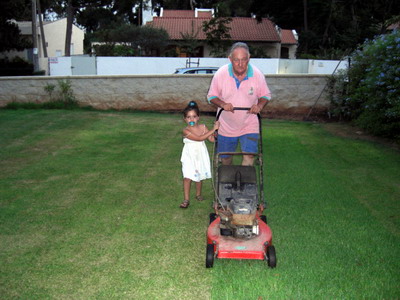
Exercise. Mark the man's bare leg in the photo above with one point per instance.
(248, 160)
(226, 160)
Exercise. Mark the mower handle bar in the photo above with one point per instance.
(235, 108)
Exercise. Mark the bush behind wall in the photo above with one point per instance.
(369, 92)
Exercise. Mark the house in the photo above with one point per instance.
(263, 34)
(289, 42)
(55, 40)
(394, 26)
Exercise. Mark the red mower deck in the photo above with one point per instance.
(233, 248)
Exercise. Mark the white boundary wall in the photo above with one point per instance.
(326, 66)
(168, 65)
(63, 66)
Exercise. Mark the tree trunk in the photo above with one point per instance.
(34, 38)
(41, 29)
(325, 36)
(70, 19)
(305, 8)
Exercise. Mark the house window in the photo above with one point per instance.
(284, 52)
(198, 52)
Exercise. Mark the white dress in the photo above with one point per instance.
(195, 160)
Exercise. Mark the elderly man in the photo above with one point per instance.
(239, 84)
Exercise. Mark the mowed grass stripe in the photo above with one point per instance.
(107, 208)
(329, 244)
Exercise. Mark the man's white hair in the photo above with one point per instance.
(239, 45)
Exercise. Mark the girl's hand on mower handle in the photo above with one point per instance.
(216, 125)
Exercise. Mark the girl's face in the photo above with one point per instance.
(191, 118)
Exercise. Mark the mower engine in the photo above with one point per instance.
(238, 196)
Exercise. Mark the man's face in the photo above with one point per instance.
(239, 59)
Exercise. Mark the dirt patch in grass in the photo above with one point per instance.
(337, 128)
(346, 130)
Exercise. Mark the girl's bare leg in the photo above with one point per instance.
(199, 197)
(186, 188)
(186, 193)
(198, 188)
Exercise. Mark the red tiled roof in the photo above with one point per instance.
(242, 29)
(288, 37)
(249, 29)
(178, 26)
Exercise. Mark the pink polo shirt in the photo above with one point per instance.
(225, 87)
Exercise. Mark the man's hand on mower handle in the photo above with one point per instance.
(228, 107)
(255, 109)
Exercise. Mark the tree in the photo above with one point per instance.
(136, 41)
(125, 10)
(176, 4)
(152, 39)
(96, 18)
(10, 36)
(68, 35)
(190, 42)
(70, 9)
(217, 31)
(42, 34)
(328, 29)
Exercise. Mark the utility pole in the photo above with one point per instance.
(34, 38)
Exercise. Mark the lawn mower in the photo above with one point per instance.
(238, 228)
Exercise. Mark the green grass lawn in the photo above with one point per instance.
(89, 210)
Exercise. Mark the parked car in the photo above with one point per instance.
(196, 70)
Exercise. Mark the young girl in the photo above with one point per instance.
(195, 159)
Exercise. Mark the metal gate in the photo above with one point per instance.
(83, 65)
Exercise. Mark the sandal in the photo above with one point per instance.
(184, 204)
(199, 198)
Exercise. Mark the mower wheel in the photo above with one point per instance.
(264, 219)
(210, 256)
(271, 256)
(213, 216)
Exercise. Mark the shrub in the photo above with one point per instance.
(104, 50)
(66, 95)
(369, 93)
(15, 67)
(61, 98)
(337, 88)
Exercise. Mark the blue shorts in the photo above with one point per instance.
(248, 143)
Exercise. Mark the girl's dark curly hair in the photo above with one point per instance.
(191, 106)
